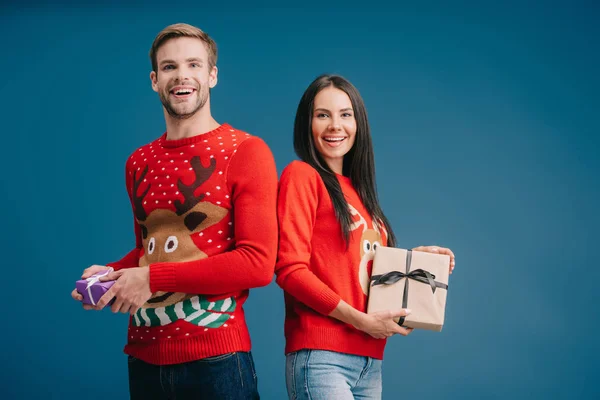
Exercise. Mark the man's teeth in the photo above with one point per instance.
(183, 91)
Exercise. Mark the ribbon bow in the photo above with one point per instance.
(92, 280)
(419, 275)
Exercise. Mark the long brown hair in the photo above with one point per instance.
(359, 162)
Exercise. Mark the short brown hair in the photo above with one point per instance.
(183, 30)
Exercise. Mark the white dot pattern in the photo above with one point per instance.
(164, 171)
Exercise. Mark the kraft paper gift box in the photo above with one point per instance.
(410, 279)
(92, 289)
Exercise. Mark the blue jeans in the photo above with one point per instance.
(320, 374)
(229, 377)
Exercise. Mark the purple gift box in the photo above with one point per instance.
(92, 289)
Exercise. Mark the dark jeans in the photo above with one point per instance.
(228, 376)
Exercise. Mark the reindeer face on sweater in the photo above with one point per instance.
(369, 241)
(166, 234)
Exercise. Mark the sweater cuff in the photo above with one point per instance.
(162, 277)
(115, 266)
(329, 300)
(130, 260)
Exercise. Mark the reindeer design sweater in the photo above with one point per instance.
(315, 268)
(206, 226)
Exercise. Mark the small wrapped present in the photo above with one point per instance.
(92, 289)
(410, 279)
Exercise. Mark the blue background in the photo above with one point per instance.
(485, 122)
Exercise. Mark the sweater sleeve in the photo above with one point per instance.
(297, 203)
(252, 180)
(131, 259)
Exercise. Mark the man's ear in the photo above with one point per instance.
(153, 79)
(212, 77)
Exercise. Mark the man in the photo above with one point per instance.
(204, 200)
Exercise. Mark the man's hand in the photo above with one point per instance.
(86, 274)
(131, 289)
(438, 250)
(381, 324)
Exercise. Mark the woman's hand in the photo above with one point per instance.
(438, 250)
(381, 324)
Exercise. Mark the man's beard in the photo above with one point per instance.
(201, 98)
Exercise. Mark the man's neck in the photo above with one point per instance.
(198, 124)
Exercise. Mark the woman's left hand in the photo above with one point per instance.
(438, 250)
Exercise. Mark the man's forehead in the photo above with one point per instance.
(182, 48)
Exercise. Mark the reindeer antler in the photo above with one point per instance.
(138, 206)
(202, 175)
(379, 227)
(358, 223)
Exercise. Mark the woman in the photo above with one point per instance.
(330, 223)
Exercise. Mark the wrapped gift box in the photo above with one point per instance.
(410, 279)
(92, 289)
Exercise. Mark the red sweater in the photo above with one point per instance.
(206, 225)
(316, 269)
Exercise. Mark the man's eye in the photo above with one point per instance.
(195, 65)
(168, 67)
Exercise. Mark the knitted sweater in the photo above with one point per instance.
(205, 224)
(317, 270)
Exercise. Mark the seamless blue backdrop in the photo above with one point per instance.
(485, 122)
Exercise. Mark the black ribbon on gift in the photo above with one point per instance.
(419, 275)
